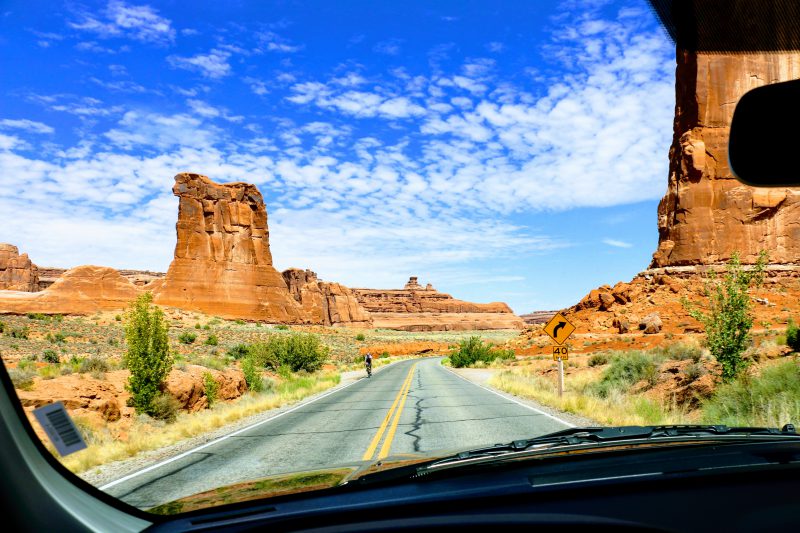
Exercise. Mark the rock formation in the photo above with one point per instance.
(706, 213)
(426, 309)
(329, 304)
(80, 290)
(140, 278)
(17, 273)
(223, 265)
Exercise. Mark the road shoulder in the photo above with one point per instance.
(481, 377)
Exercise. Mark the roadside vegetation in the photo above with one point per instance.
(473, 351)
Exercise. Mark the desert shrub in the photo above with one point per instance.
(93, 364)
(239, 351)
(679, 351)
(206, 327)
(37, 316)
(212, 340)
(50, 356)
(285, 371)
(19, 333)
(164, 407)
(770, 399)
(625, 369)
(282, 327)
(384, 354)
(22, 378)
(793, 336)
(211, 388)
(187, 337)
(266, 354)
(49, 372)
(2, 326)
(598, 359)
(240, 322)
(694, 371)
(148, 357)
(470, 351)
(729, 317)
(360, 337)
(118, 318)
(252, 375)
(197, 326)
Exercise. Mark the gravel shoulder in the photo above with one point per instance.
(107, 473)
(481, 376)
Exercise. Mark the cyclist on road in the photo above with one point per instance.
(368, 363)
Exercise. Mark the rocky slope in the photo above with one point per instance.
(80, 290)
(17, 273)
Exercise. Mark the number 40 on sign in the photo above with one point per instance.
(560, 353)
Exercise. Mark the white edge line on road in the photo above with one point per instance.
(222, 438)
(548, 415)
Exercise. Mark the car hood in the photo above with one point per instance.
(291, 483)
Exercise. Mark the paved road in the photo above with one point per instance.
(411, 406)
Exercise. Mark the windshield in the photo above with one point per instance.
(265, 247)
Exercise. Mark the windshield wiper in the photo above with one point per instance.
(603, 435)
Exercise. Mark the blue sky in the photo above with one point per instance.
(511, 151)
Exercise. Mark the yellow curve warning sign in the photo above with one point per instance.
(559, 328)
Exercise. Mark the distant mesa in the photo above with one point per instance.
(223, 266)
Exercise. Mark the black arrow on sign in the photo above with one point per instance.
(558, 327)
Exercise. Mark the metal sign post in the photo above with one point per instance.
(560, 354)
(560, 377)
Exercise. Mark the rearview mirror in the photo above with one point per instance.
(764, 145)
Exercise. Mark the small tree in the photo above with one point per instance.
(729, 318)
(148, 357)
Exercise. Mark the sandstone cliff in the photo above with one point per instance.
(329, 304)
(223, 265)
(17, 273)
(706, 213)
(80, 290)
(425, 309)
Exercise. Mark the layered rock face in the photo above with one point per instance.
(17, 273)
(223, 265)
(426, 309)
(706, 213)
(80, 290)
(329, 304)
(49, 275)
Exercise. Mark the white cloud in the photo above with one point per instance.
(141, 23)
(389, 47)
(212, 65)
(617, 243)
(30, 126)
(495, 47)
(276, 43)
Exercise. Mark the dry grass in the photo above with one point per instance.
(148, 434)
(617, 409)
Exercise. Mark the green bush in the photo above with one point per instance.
(50, 356)
(303, 351)
(678, 351)
(211, 388)
(470, 351)
(197, 326)
(187, 337)
(164, 407)
(2, 326)
(729, 318)
(148, 357)
(240, 322)
(118, 318)
(625, 369)
(360, 337)
(37, 316)
(793, 336)
(239, 351)
(771, 399)
(282, 327)
(206, 327)
(252, 375)
(212, 340)
(598, 359)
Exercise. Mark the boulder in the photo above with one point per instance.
(651, 324)
(187, 385)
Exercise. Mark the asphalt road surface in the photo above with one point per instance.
(411, 406)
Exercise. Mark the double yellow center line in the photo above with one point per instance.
(396, 410)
